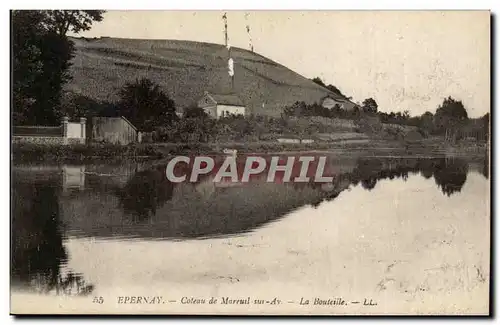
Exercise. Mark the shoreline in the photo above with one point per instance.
(26, 153)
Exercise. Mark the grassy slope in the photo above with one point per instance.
(185, 70)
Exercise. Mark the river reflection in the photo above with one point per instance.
(145, 193)
(37, 241)
(127, 203)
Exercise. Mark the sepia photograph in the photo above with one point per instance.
(271, 162)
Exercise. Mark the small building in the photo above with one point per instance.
(293, 139)
(288, 139)
(179, 112)
(330, 101)
(220, 105)
(117, 130)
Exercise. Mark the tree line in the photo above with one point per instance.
(150, 109)
(450, 118)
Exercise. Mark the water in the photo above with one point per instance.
(408, 232)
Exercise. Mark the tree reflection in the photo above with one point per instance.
(369, 171)
(366, 172)
(145, 193)
(486, 168)
(427, 167)
(450, 175)
(369, 183)
(37, 241)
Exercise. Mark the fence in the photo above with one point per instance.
(38, 131)
(66, 133)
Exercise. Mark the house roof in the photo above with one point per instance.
(226, 99)
(105, 118)
(130, 123)
(335, 97)
(339, 99)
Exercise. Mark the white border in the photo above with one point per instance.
(185, 5)
(259, 4)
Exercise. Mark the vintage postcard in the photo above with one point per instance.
(250, 162)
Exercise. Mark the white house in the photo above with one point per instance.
(220, 105)
(330, 101)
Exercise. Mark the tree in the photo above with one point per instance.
(450, 115)
(241, 127)
(42, 56)
(334, 89)
(337, 111)
(62, 21)
(318, 81)
(26, 62)
(297, 109)
(370, 105)
(190, 130)
(194, 111)
(355, 113)
(146, 105)
(76, 105)
(330, 87)
(316, 109)
(56, 52)
(426, 122)
(486, 122)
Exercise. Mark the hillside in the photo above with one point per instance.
(186, 69)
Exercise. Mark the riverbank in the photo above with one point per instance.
(109, 152)
(81, 152)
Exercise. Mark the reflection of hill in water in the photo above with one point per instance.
(189, 213)
(148, 206)
(151, 207)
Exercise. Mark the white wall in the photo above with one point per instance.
(73, 176)
(227, 109)
(74, 130)
(330, 103)
(288, 140)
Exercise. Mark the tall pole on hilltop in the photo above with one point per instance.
(230, 61)
(224, 18)
(250, 43)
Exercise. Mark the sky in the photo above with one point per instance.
(404, 60)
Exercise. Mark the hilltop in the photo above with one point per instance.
(185, 69)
